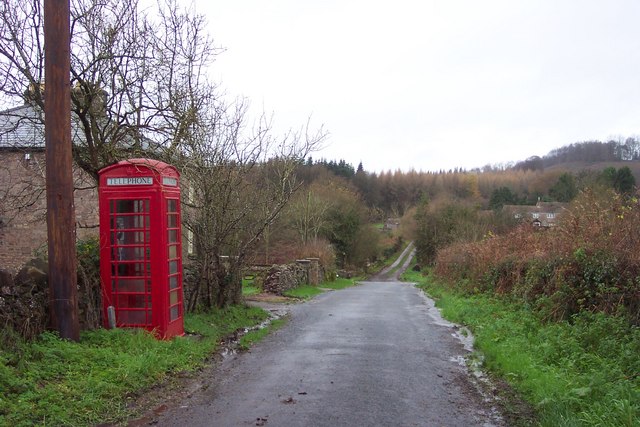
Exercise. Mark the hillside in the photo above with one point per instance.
(575, 167)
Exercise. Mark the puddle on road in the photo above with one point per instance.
(471, 361)
(229, 346)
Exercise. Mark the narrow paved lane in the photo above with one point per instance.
(365, 356)
(392, 273)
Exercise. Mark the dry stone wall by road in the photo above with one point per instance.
(281, 278)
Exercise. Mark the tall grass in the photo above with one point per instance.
(55, 382)
(582, 372)
(556, 312)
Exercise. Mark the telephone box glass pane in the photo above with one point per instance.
(173, 267)
(129, 221)
(131, 301)
(128, 206)
(173, 298)
(173, 251)
(131, 285)
(128, 269)
(172, 221)
(127, 238)
(137, 253)
(172, 205)
(174, 313)
(173, 236)
(173, 282)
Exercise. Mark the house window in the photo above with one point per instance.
(551, 215)
(518, 216)
(535, 215)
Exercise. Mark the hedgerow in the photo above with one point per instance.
(589, 262)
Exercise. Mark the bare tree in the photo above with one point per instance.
(237, 185)
(308, 213)
(130, 73)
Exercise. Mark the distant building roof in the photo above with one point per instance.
(543, 213)
(21, 127)
(391, 224)
(554, 207)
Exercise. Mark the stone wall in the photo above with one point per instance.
(24, 298)
(281, 278)
(316, 272)
(258, 274)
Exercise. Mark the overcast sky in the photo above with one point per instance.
(439, 84)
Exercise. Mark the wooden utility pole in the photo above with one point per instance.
(61, 218)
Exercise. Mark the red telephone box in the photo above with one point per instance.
(141, 246)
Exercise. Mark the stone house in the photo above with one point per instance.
(23, 230)
(543, 214)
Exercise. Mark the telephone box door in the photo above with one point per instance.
(130, 261)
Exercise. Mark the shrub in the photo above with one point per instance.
(89, 295)
(589, 262)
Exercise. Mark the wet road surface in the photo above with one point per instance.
(371, 355)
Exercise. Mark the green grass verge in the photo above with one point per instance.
(340, 283)
(250, 290)
(55, 382)
(578, 373)
(308, 291)
(303, 292)
(249, 287)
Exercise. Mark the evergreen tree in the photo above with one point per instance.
(565, 189)
(624, 182)
(500, 197)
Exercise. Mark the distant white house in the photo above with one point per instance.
(543, 214)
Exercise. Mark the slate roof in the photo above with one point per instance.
(21, 127)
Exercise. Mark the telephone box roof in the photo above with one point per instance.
(156, 165)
